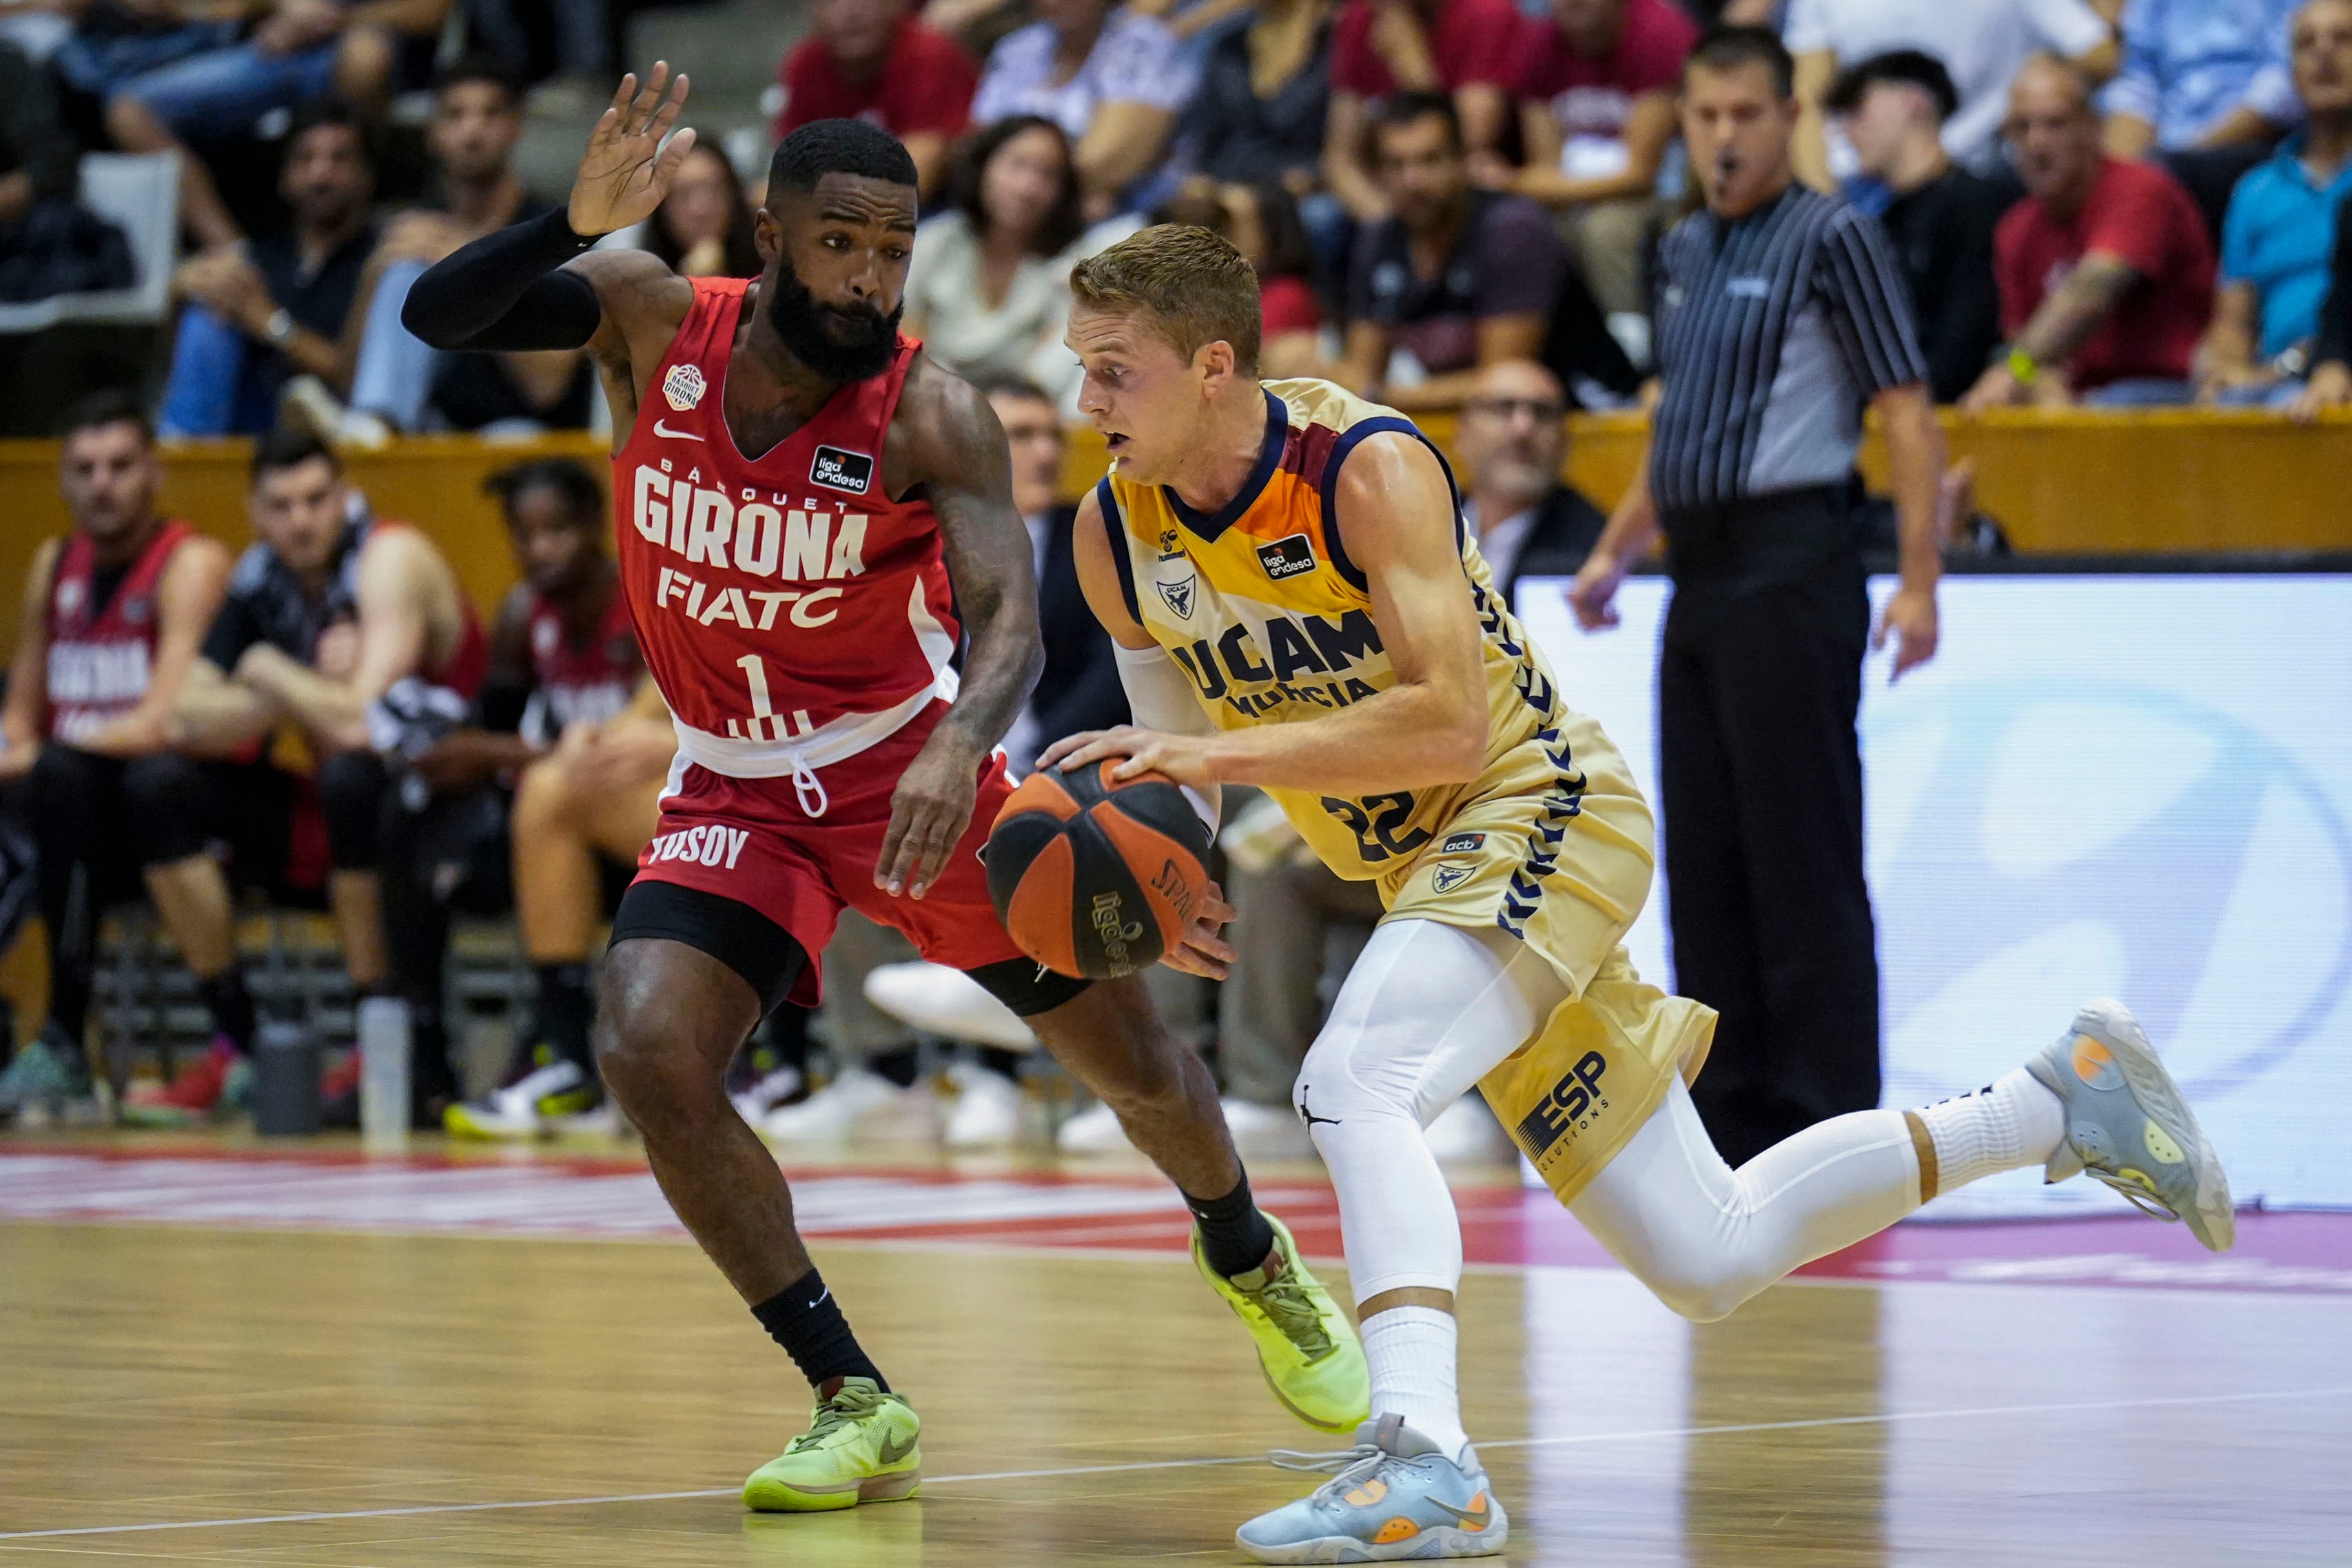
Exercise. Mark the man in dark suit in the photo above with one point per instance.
(1528, 522)
(1079, 689)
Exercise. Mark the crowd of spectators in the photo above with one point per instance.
(2124, 201)
(1454, 206)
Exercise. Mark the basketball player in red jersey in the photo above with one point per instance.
(111, 619)
(810, 515)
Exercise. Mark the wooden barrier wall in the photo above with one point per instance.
(2071, 483)
(2077, 482)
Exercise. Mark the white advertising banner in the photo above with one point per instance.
(2128, 785)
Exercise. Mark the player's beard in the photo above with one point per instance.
(806, 328)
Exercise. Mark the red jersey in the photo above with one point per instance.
(578, 683)
(1593, 98)
(1470, 42)
(101, 657)
(925, 84)
(792, 612)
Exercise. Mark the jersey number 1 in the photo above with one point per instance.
(765, 723)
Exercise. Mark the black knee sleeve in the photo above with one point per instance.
(163, 799)
(351, 790)
(1027, 989)
(762, 952)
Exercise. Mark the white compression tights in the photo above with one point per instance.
(1429, 1008)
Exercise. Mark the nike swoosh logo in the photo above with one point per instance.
(892, 1452)
(661, 428)
(1476, 1519)
(820, 1298)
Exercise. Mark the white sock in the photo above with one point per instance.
(1411, 1351)
(2010, 1123)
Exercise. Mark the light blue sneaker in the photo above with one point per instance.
(2126, 1125)
(51, 1074)
(1397, 1498)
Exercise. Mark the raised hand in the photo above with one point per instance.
(626, 172)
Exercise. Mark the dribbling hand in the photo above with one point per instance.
(1204, 951)
(627, 171)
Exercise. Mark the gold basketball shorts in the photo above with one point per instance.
(1555, 847)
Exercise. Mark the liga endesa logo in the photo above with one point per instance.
(2102, 837)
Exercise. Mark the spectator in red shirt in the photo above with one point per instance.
(1596, 115)
(868, 60)
(1469, 48)
(2106, 268)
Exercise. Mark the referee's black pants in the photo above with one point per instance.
(1759, 679)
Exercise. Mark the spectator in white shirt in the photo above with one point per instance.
(1981, 42)
(989, 289)
(1111, 78)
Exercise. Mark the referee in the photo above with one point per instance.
(1781, 317)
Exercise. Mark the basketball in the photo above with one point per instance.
(1096, 877)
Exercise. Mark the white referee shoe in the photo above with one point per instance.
(857, 1104)
(986, 1113)
(936, 1000)
(1094, 1131)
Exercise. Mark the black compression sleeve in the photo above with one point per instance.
(505, 291)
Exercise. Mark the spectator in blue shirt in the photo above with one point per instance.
(2201, 73)
(2280, 227)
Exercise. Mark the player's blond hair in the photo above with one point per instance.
(1187, 283)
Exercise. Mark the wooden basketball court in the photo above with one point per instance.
(215, 1359)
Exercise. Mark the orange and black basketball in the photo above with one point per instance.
(1093, 877)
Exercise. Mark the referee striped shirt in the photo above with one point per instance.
(1775, 330)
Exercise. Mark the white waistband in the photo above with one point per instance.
(837, 740)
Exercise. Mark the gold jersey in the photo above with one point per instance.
(1261, 608)
(1552, 842)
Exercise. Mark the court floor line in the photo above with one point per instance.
(1875, 1417)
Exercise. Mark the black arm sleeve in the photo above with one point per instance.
(506, 291)
(2334, 342)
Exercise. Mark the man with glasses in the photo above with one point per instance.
(1530, 523)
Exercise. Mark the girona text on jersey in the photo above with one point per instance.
(792, 611)
(803, 541)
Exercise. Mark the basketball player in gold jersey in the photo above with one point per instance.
(1297, 606)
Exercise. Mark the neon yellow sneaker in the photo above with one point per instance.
(1306, 1345)
(860, 1447)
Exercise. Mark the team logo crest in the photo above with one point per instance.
(839, 470)
(684, 386)
(545, 637)
(135, 612)
(1178, 596)
(1450, 877)
(69, 597)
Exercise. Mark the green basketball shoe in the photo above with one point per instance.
(861, 1447)
(1306, 1345)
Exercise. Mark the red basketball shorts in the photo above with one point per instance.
(749, 841)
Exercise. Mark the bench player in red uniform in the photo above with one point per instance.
(810, 514)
